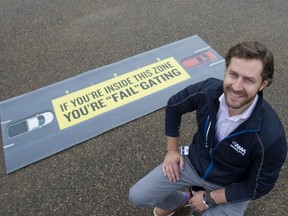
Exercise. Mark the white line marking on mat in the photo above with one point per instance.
(217, 62)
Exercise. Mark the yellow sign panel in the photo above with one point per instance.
(89, 102)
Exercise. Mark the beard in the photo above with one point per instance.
(237, 99)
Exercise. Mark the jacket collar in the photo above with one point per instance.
(254, 121)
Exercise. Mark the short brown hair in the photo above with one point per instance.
(253, 50)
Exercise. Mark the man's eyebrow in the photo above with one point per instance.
(246, 77)
(232, 71)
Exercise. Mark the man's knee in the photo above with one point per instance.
(135, 197)
(140, 198)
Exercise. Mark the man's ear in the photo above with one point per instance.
(264, 84)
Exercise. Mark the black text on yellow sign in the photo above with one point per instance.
(89, 102)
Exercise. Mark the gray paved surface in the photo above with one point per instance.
(45, 41)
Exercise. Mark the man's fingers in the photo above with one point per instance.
(168, 170)
(172, 172)
(170, 165)
(175, 172)
(182, 163)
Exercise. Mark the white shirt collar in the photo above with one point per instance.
(244, 115)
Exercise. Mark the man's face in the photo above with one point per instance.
(242, 82)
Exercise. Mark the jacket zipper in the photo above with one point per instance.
(206, 133)
(206, 130)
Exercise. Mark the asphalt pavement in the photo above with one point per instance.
(45, 41)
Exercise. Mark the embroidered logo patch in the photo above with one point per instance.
(238, 148)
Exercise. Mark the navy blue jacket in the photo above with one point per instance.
(247, 162)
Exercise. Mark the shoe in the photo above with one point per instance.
(162, 212)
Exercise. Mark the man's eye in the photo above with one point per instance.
(249, 81)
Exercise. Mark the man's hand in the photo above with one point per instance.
(170, 165)
(197, 201)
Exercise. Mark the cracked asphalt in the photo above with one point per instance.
(45, 41)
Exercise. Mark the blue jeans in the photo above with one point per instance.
(156, 190)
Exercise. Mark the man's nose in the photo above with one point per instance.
(238, 85)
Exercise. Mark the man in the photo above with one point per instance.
(236, 153)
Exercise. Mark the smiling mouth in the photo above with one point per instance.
(234, 95)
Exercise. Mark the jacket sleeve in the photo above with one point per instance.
(179, 104)
(264, 172)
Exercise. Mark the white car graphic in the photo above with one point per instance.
(30, 124)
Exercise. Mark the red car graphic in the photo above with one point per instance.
(198, 59)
